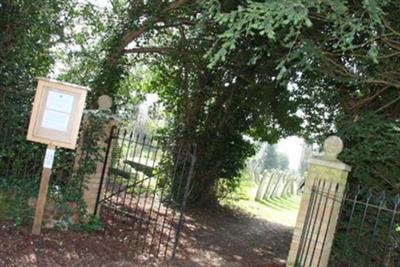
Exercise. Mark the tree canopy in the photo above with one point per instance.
(226, 72)
(266, 69)
(212, 107)
(28, 32)
(341, 55)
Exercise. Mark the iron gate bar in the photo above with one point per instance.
(159, 206)
(136, 173)
(114, 207)
(304, 230)
(177, 195)
(329, 222)
(375, 225)
(148, 224)
(396, 207)
(157, 226)
(193, 161)
(364, 213)
(313, 225)
(137, 142)
(168, 206)
(125, 189)
(148, 171)
(103, 171)
(320, 224)
(126, 158)
(151, 211)
(141, 184)
(165, 220)
(355, 202)
(115, 177)
(307, 223)
(111, 178)
(146, 195)
(353, 209)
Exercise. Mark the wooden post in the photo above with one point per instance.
(44, 185)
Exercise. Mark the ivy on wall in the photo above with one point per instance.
(372, 148)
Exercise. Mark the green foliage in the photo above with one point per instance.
(32, 35)
(213, 108)
(19, 180)
(225, 188)
(273, 159)
(13, 207)
(242, 189)
(28, 32)
(266, 69)
(14, 192)
(364, 238)
(68, 187)
(339, 56)
(372, 148)
(246, 188)
(265, 18)
(94, 224)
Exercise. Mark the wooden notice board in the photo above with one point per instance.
(57, 113)
(55, 120)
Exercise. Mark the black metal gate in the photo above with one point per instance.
(146, 187)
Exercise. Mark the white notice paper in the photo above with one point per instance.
(49, 158)
(55, 120)
(59, 102)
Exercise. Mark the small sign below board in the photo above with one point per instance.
(49, 158)
(57, 113)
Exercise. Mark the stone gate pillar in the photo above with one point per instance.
(92, 181)
(319, 208)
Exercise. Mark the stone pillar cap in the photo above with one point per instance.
(333, 145)
(105, 102)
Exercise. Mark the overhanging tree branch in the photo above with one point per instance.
(132, 35)
(157, 50)
(388, 104)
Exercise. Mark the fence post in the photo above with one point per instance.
(319, 208)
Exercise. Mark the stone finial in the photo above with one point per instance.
(333, 145)
(104, 102)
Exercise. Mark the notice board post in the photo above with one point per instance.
(55, 120)
(44, 185)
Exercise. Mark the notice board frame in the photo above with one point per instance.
(38, 133)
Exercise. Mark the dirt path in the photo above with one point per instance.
(233, 239)
(215, 239)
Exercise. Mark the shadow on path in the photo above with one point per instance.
(229, 238)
